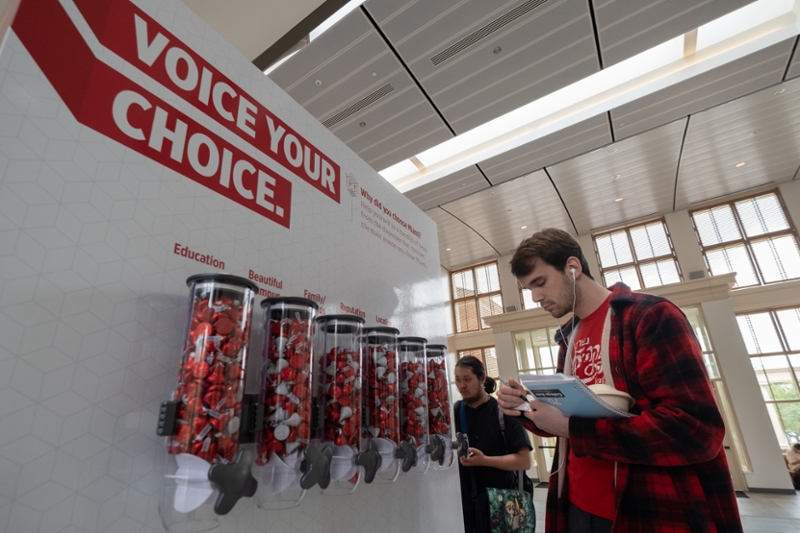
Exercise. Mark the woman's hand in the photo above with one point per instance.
(475, 457)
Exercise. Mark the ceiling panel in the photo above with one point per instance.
(559, 146)
(723, 84)
(466, 246)
(498, 62)
(349, 76)
(628, 27)
(499, 213)
(762, 130)
(641, 170)
(252, 26)
(794, 66)
(449, 188)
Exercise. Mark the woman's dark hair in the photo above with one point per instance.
(470, 362)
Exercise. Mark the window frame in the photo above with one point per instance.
(744, 239)
(468, 351)
(786, 351)
(636, 262)
(455, 301)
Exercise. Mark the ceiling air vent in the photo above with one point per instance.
(487, 30)
(358, 106)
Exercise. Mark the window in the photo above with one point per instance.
(527, 299)
(752, 237)
(772, 339)
(487, 356)
(537, 351)
(639, 256)
(476, 294)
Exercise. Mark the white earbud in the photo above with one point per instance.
(573, 272)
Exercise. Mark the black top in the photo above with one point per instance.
(484, 434)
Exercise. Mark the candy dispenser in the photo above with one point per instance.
(414, 397)
(382, 400)
(338, 384)
(208, 470)
(443, 450)
(283, 439)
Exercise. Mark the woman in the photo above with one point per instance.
(493, 459)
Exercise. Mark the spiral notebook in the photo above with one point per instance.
(570, 395)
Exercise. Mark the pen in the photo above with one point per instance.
(528, 398)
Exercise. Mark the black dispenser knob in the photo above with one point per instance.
(234, 480)
(408, 453)
(316, 467)
(370, 459)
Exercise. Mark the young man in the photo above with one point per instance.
(663, 470)
(494, 453)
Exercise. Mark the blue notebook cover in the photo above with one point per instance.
(570, 395)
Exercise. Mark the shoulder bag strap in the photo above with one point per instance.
(464, 429)
(502, 420)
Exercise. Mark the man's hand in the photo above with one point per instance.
(548, 418)
(475, 457)
(510, 396)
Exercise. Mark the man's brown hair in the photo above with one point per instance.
(551, 245)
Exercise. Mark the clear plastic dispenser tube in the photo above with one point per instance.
(381, 398)
(338, 380)
(414, 397)
(207, 470)
(286, 396)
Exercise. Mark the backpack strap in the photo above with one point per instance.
(502, 419)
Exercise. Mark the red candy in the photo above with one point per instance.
(381, 394)
(285, 383)
(413, 397)
(211, 376)
(438, 399)
(339, 390)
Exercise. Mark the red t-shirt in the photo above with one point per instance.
(591, 481)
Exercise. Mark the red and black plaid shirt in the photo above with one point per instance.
(671, 471)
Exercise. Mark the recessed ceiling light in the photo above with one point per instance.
(374, 74)
(497, 50)
(614, 150)
(524, 227)
(615, 177)
(491, 194)
(740, 165)
(362, 124)
(621, 123)
(447, 249)
(779, 91)
(618, 200)
(317, 82)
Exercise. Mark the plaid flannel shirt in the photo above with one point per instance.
(671, 474)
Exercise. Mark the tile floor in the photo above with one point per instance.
(761, 513)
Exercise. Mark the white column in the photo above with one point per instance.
(791, 197)
(687, 247)
(769, 468)
(508, 284)
(506, 354)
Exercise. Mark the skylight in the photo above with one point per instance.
(731, 37)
